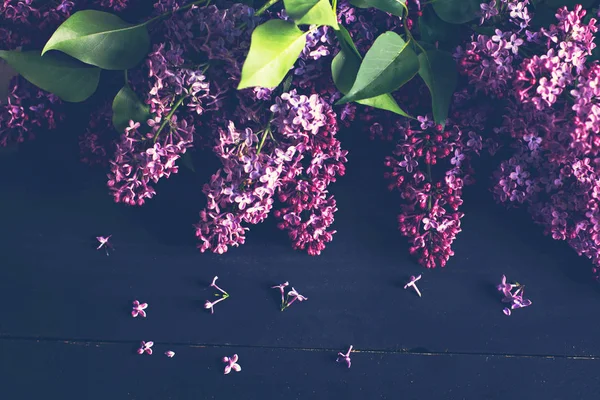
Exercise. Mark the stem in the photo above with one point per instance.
(431, 182)
(175, 107)
(266, 132)
(194, 3)
(265, 7)
(262, 139)
(410, 37)
(168, 118)
(126, 79)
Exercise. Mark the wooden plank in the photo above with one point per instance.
(103, 371)
(54, 284)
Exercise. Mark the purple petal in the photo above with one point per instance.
(506, 311)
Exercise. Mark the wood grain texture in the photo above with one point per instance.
(100, 371)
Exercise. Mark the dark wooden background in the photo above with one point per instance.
(66, 331)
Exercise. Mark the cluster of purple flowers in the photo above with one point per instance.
(28, 24)
(515, 299)
(430, 202)
(278, 149)
(552, 126)
(297, 157)
(289, 158)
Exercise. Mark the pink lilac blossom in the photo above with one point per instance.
(224, 295)
(413, 283)
(27, 111)
(139, 309)
(345, 357)
(231, 364)
(291, 297)
(429, 210)
(145, 154)
(311, 162)
(296, 159)
(145, 347)
(104, 242)
(241, 192)
(488, 60)
(282, 290)
(551, 125)
(170, 353)
(179, 95)
(515, 298)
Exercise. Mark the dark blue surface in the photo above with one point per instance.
(66, 332)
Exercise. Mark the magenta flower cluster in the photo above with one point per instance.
(551, 126)
(295, 159)
(278, 148)
(513, 298)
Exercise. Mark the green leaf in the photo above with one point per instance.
(457, 11)
(394, 7)
(433, 29)
(274, 48)
(344, 68)
(127, 106)
(101, 39)
(56, 73)
(311, 12)
(438, 70)
(188, 161)
(388, 65)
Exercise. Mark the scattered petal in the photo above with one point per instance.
(231, 364)
(170, 353)
(345, 357)
(138, 309)
(412, 283)
(146, 347)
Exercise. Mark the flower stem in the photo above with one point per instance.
(266, 132)
(265, 7)
(431, 182)
(169, 115)
(175, 107)
(194, 3)
(262, 139)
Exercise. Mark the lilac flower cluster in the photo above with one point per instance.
(296, 157)
(27, 111)
(429, 215)
(291, 296)
(146, 154)
(309, 125)
(552, 127)
(515, 299)
(26, 23)
(241, 192)
(487, 61)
